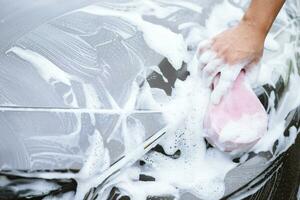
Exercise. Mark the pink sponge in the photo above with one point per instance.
(238, 121)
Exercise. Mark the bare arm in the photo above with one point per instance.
(262, 13)
(246, 40)
(243, 43)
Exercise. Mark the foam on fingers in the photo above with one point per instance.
(228, 74)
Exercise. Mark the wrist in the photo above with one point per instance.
(258, 26)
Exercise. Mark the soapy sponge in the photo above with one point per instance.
(238, 121)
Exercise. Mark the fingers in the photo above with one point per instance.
(218, 92)
(211, 67)
(252, 71)
(208, 61)
(203, 47)
(211, 70)
(227, 77)
(205, 44)
(205, 58)
(211, 64)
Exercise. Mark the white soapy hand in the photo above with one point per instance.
(228, 74)
(211, 66)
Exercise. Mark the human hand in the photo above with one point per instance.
(237, 48)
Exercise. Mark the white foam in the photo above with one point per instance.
(198, 170)
(172, 46)
(242, 131)
(46, 68)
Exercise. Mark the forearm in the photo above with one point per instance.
(262, 13)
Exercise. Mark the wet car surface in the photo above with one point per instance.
(93, 52)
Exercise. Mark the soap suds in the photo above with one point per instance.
(235, 131)
(184, 110)
(172, 46)
(198, 170)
